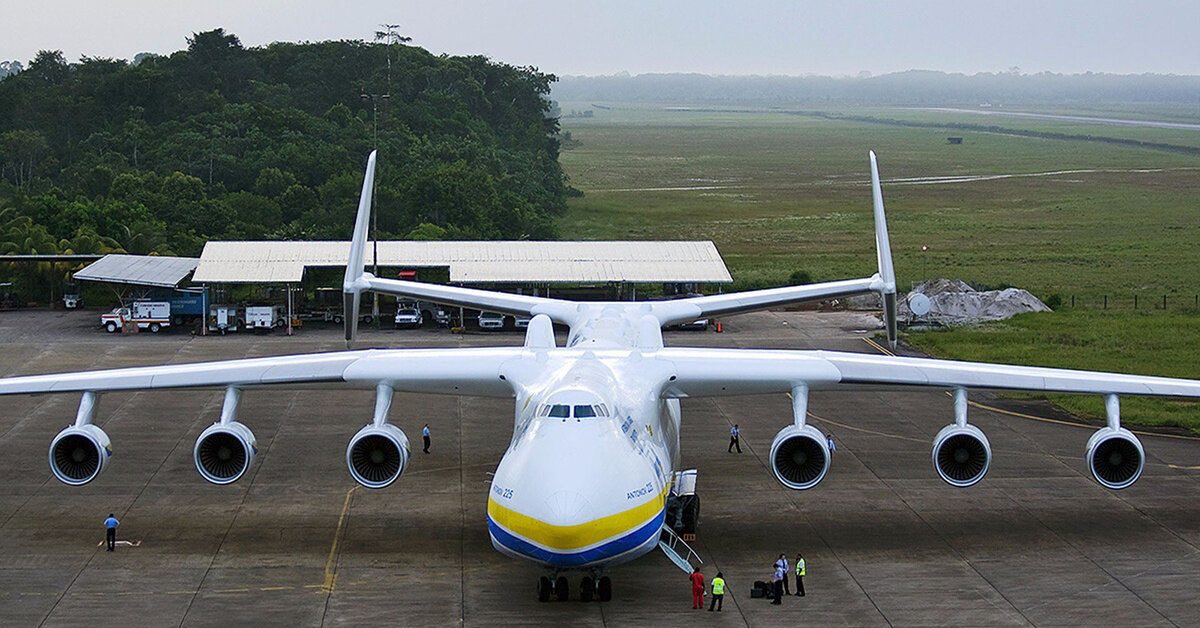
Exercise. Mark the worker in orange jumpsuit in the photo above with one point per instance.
(697, 579)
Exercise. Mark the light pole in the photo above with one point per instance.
(375, 98)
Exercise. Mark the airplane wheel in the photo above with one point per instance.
(562, 590)
(543, 589)
(605, 589)
(587, 588)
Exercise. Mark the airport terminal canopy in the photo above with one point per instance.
(139, 270)
(476, 262)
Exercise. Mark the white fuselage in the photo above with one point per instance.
(585, 480)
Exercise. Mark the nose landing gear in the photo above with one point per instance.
(590, 588)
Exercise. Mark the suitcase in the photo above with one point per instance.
(757, 592)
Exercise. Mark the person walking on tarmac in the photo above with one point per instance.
(697, 579)
(425, 435)
(733, 439)
(799, 574)
(110, 525)
(718, 592)
(782, 563)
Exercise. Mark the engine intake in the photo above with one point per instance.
(961, 454)
(79, 453)
(1115, 457)
(224, 452)
(800, 457)
(377, 455)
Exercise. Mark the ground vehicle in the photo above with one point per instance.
(700, 324)
(224, 318)
(407, 315)
(265, 317)
(491, 320)
(71, 295)
(521, 321)
(151, 315)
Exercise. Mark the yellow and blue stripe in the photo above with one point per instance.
(580, 544)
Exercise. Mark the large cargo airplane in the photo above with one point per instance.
(608, 400)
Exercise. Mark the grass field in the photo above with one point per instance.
(779, 192)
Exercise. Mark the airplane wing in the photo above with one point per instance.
(701, 372)
(466, 371)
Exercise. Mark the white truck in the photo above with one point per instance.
(265, 317)
(151, 315)
(224, 319)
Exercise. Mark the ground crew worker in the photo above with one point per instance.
(799, 574)
(782, 563)
(425, 435)
(110, 525)
(777, 585)
(829, 443)
(718, 592)
(697, 579)
(733, 439)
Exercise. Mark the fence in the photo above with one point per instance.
(1127, 302)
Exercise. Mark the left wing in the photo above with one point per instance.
(712, 372)
(800, 453)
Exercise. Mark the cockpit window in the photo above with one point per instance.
(560, 411)
(585, 412)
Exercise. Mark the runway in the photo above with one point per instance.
(1037, 542)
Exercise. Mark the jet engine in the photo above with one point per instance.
(799, 456)
(377, 455)
(1115, 457)
(79, 453)
(961, 454)
(224, 451)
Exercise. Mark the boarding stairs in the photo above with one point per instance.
(678, 550)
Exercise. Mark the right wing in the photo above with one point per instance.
(467, 371)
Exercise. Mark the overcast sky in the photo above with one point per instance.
(638, 36)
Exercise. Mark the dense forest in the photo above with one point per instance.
(912, 88)
(227, 142)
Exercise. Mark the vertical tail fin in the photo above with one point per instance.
(352, 287)
(883, 249)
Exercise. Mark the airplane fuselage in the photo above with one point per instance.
(585, 479)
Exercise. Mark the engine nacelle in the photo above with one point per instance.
(224, 452)
(79, 453)
(1115, 457)
(376, 456)
(799, 457)
(961, 454)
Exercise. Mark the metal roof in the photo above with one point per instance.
(141, 270)
(475, 262)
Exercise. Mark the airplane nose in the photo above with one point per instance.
(564, 508)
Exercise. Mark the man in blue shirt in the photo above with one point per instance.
(111, 524)
(425, 435)
(733, 439)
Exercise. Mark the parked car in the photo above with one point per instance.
(522, 321)
(700, 324)
(491, 320)
(407, 315)
(149, 315)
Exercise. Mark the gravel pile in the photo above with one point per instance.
(953, 302)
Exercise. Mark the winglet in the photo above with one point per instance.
(883, 249)
(352, 287)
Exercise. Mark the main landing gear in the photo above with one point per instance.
(590, 588)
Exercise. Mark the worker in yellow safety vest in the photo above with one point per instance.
(718, 592)
(799, 574)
